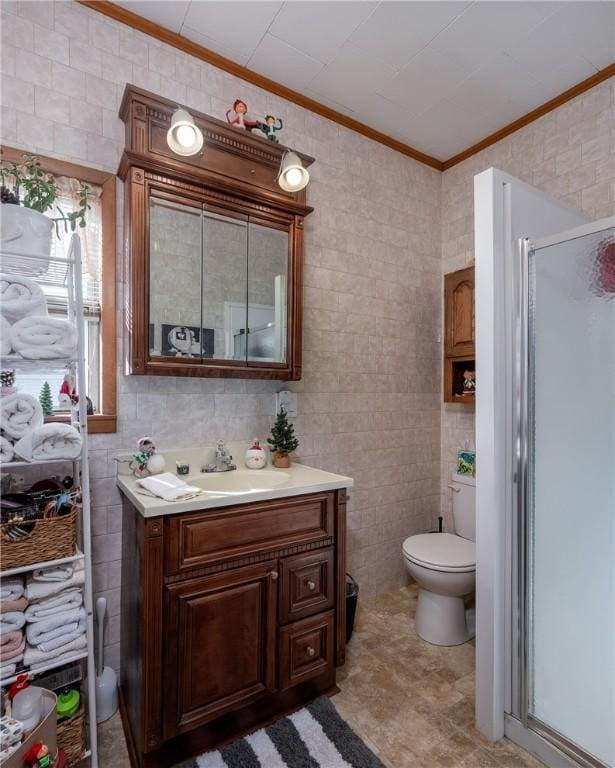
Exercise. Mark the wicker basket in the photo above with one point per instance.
(51, 538)
(71, 737)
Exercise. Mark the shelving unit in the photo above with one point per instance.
(79, 420)
(459, 353)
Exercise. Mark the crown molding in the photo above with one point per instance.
(110, 9)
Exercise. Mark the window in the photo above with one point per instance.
(98, 257)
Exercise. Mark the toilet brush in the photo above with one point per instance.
(106, 679)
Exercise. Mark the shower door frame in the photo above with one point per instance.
(520, 726)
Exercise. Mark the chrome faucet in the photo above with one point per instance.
(223, 462)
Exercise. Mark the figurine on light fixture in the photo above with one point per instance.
(269, 127)
(238, 116)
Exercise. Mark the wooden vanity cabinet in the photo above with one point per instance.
(222, 634)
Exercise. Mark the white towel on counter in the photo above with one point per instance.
(11, 621)
(7, 451)
(21, 297)
(38, 590)
(51, 441)
(5, 336)
(55, 573)
(67, 600)
(64, 623)
(19, 414)
(168, 487)
(11, 588)
(34, 658)
(44, 338)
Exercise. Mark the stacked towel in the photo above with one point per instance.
(19, 414)
(11, 621)
(37, 590)
(36, 659)
(44, 338)
(12, 645)
(54, 632)
(21, 297)
(13, 606)
(67, 600)
(55, 573)
(11, 588)
(5, 336)
(51, 441)
(6, 450)
(9, 669)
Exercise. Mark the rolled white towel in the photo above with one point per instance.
(68, 599)
(21, 297)
(19, 414)
(11, 621)
(44, 338)
(64, 623)
(51, 441)
(38, 590)
(5, 336)
(7, 451)
(34, 658)
(55, 573)
(11, 588)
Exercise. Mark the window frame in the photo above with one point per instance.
(105, 421)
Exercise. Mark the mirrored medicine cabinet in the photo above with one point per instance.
(214, 251)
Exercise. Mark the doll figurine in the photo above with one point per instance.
(269, 127)
(68, 394)
(238, 116)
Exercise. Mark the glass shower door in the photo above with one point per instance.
(567, 493)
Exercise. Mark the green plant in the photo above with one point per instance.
(26, 184)
(46, 400)
(283, 438)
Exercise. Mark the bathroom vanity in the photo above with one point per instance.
(233, 606)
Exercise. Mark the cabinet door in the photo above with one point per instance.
(221, 644)
(459, 312)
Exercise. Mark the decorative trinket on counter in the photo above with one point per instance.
(269, 127)
(256, 456)
(140, 463)
(282, 441)
(182, 468)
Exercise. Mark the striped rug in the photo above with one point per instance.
(313, 737)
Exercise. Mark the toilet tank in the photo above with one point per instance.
(464, 505)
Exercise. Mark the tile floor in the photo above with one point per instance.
(411, 702)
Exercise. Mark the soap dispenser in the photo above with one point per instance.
(256, 456)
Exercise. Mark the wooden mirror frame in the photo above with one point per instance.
(235, 171)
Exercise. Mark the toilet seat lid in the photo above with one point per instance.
(441, 551)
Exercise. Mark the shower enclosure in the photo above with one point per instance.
(545, 488)
(563, 686)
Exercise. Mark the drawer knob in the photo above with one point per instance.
(310, 651)
(274, 575)
(311, 586)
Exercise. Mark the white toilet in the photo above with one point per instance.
(444, 566)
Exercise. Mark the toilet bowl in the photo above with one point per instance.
(444, 567)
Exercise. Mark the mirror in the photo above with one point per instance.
(175, 279)
(218, 284)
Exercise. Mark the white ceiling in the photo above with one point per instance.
(437, 75)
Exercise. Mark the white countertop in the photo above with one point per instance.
(239, 486)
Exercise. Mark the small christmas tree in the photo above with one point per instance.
(282, 440)
(46, 400)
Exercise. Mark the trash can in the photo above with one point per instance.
(352, 597)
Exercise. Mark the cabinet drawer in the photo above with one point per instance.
(233, 532)
(306, 649)
(306, 584)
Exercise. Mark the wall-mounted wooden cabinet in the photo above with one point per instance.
(459, 354)
(214, 250)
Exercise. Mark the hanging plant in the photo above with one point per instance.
(27, 185)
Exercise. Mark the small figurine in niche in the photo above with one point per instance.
(7, 383)
(238, 116)
(269, 127)
(469, 382)
(68, 394)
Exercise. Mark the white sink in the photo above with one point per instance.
(240, 481)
